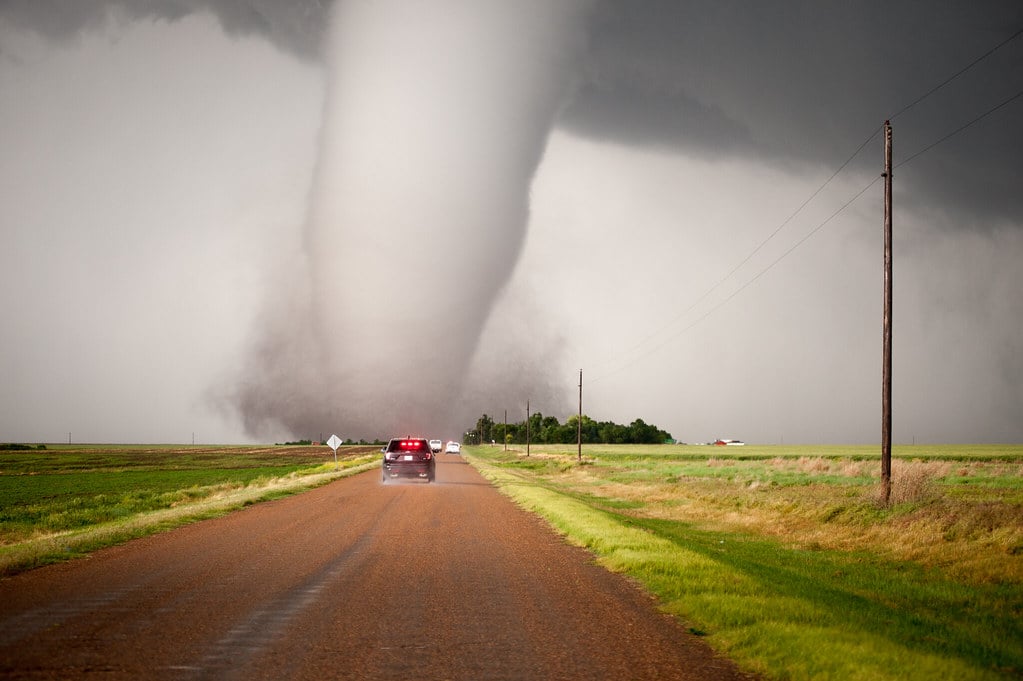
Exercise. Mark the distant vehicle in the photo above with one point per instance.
(453, 448)
(435, 446)
(408, 457)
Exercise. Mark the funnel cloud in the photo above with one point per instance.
(434, 124)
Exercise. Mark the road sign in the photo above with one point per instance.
(334, 442)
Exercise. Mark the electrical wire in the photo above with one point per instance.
(956, 75)
(958, 130)
(821, 225)
(742, 288)
(752, 253)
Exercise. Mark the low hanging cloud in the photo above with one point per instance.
(295, 26)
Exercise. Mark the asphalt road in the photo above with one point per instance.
(354, 580)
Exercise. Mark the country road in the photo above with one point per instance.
(353, 580)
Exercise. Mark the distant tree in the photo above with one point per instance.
(590, 431)
(535, 426)
(485, 428)
(516, 433)
(548, 430)
(643, 434)
(613, 433)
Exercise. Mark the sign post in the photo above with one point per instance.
(334, 442)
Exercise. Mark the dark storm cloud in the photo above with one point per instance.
(809, 81)
(295, 25)
(669, 119)
(794, 81)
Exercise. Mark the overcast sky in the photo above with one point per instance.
(244, 220)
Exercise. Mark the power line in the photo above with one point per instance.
(961, 128)
(801, 241)
(832, 216)
(956, 74)
(852, 200)
(742, 288)
(756, 250)
(806, 202)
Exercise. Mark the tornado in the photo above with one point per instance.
(436, 116)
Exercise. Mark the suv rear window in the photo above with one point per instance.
(408, 445)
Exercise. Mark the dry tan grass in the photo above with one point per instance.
(976, 542)
(856, 469)
(813, 464)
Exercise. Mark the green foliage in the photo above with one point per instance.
(485, 429)
(548, 430)
(57, 502)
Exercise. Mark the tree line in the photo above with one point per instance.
(548, 430)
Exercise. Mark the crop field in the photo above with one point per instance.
(64, 501)
(786, 559)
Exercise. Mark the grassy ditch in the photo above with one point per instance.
(66, 501)
(787, 562)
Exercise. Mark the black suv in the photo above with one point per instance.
(409, 457)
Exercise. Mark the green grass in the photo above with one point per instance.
(35, 504)
(786, 562)
(66, 501)
(900, 608)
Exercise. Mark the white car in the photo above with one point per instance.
(435, 445)
(453, 448)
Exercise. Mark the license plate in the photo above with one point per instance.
(408, 457)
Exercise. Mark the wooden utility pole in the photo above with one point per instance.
(506, 430)
(527, 427)
(886, 371)
(579, 425)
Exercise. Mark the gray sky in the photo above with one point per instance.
(197, 200)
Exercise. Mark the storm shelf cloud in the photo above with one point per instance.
(248, 220)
